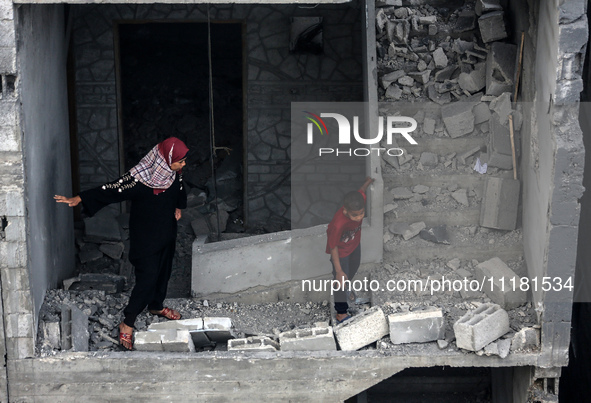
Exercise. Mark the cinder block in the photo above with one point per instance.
(17, 301)
(15, 230)
(18, 348)
(313, 339)
(255, 343)
(499, 146)
(361, 330)
(481, 326)
(182, 324)
(74, 326)
(13, 254)
(16, 278)
(458, 118)
(499, 203)
(177, 341)
(148, 341)
(500, 68)
(417, 327)
(492, 26)
(501, 290)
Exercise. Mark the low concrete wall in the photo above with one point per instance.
(263, 260)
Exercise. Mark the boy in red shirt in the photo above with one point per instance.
(344, 235)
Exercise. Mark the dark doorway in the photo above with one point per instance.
(163, 72)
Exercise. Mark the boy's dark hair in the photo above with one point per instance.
(354, 201)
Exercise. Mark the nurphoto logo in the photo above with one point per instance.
(391, 125)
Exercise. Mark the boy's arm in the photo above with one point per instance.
(368, 181)
(336, 261)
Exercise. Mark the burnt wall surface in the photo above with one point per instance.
(274, 78)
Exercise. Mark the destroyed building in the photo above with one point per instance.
(87, 88)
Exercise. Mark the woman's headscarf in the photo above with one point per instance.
(154, 169)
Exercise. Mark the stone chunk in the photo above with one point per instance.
(461, 196)
(420, 76)
(313, 339)
(361, 330)
(475, 80)
(429, 126)
(429, 159)
(466, 21)
(499, 203)
(182, 324)
(500, 68)
(492, 26)
(413, 230)
(417, 327)
(420, 189)
(501, 291)
(440, 58)
(177, 341)
(401, 193)
(501, 107)
(398, 31)
(481, 326)
(481, 113)
(394, 92)
(524, 339)
(200, 226)
(458, 118)
(389, 78)
(446, 73)
(406, 81)
(255, 343)
(113, 250)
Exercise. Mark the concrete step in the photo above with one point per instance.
(483, 245)
(466, 217)
(445, 145)
(436, 178)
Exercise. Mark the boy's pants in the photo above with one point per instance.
(349, 264)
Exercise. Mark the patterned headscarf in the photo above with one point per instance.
(154, 169)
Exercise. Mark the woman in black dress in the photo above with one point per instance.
(155, 188)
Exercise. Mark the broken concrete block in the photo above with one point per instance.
(417, 327)
(486, 6)
(314, 339)
(432, 29)
(103, 226)
(109, 283)
(475, 80)
(420, 189)
(113, 250)
(436, 234)
(440, 58)
(461, 196)
(499, 148)
(500, 290)
(420, 76)
(501, 107)
(500, 68)
(499, 203)
(481, 326)
(406, 81)
(446, 73)
(74, 329)
(526, 338)
(255, 343)
(361, 330)
(429, 126)
(381, 19)
(148, 341)
(389, 78)
(398, 31)
(458, 118)
(466, 21)
(436, 97)
(394, 92)
(51, 334)
(177, 341)
(89, 253)
(429, 159)
(413, 230)
(401, 193)
(504, 346)
(481, 113)
(492, 26)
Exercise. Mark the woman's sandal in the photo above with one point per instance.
(167, 313)
(125, 340)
